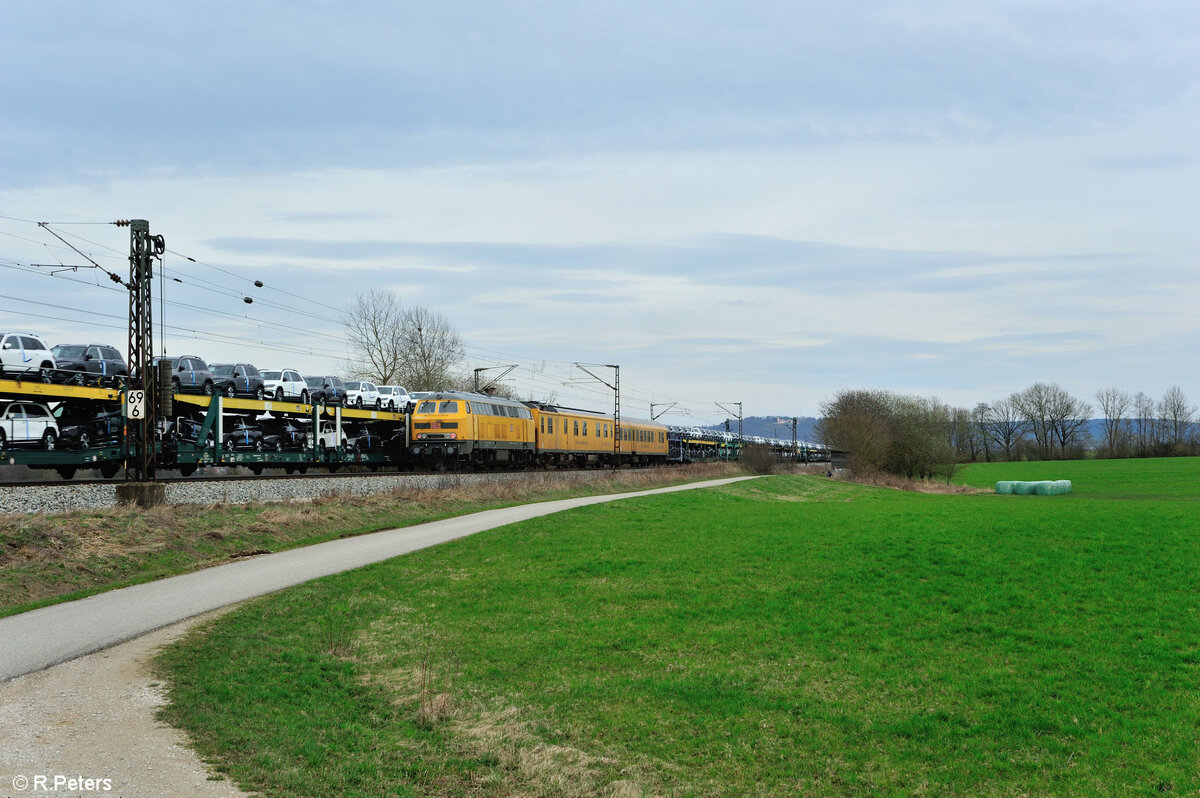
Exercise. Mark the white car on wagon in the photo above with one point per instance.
(24, 353)
(394, 397)
(27, 423)
(363, 394)
(281, 384)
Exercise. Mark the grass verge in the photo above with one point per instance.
(49, 558)
(789, 635)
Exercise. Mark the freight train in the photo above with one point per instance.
(70, 428)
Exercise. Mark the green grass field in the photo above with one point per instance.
(49, 558)
(1172, 478)
(790, 635)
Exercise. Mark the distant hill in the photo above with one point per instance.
(773, 427)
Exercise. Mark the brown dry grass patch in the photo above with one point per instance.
(882, 479)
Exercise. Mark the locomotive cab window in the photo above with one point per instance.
(428, 406)
(448, 407)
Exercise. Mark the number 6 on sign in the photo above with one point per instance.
(135, 405)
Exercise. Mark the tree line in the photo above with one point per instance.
(919, 437)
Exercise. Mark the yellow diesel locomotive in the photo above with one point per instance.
(453, 427)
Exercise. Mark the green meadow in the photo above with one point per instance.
(787, 635)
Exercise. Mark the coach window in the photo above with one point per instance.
(575, 427)
(585, 429)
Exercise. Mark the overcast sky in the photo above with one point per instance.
(755, 202)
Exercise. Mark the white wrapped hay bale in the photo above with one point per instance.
(1043, 487)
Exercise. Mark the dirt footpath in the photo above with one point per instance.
(89, 724)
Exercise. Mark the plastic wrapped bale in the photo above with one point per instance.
(1025, 488)
(1004, 488)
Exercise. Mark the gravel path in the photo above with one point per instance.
(93, 718)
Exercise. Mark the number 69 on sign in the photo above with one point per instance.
(135, 405)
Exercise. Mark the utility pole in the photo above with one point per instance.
(795, 448)
(479, 371)
(737, 415)
(142, 417)
(615, 387)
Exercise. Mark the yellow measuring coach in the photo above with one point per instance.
(570, 437)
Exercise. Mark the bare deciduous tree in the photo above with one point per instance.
(1177, 417)
(964, 435)
(1070, 422)
(979, 419)
(1114, 404)
(1145, 428)
(374, 325)
(434, 350)
(1034, 406)
(1005, 424)
(1053, 415)
(413, 346)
